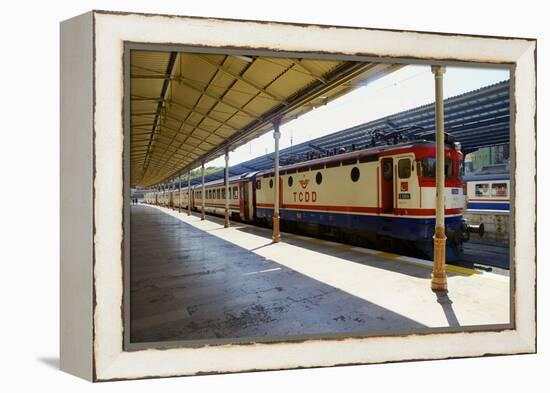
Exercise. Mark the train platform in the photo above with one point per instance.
(194, 280)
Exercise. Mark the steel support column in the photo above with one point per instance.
(179, 205)
(170, 195)
(439, 277)
(226, 180)
(202, 191)
(189, 193)
(276, 236)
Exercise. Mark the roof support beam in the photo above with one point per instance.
(150, 76)
(171, 69)
(212, 96)
(184, 122)
(204, 114)
(300, 64)
(274, 96)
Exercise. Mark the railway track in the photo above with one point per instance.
(487, 256)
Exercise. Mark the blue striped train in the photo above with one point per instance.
(488, 188)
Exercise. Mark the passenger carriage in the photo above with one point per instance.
(489, 188)
(240, 203)
(180, 198)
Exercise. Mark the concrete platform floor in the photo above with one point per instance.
(193, 279)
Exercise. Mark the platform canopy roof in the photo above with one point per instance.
(189, 107)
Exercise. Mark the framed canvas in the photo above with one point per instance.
(100, 53)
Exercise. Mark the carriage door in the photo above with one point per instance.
(405, 188)
(246, 200)
(386, 176)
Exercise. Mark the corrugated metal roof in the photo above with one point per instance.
(188, 107)
(476, 119)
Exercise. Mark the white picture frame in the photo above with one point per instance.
(92, 193)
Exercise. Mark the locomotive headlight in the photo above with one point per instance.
(457, 146)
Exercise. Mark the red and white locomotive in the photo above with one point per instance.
(380, 196)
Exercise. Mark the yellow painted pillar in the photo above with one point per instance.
(276, 236)
(226, 222)
(439, 277)
(179, 204)
(188, 192)
(202, 193)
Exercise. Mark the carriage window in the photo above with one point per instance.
(223, 193)
(499, 190)
(449, 169)
(482, 189)
(258, 184)
(428, 167)
(355, 174)
(270, 183)
(235, 193)
(218, 193)
(318, 178)
(388, 170)
(404, 168)
(290, 181)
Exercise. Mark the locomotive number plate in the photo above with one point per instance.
(404, 196)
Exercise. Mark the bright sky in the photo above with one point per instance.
(410, 87)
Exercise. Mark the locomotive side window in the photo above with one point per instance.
(355, 174)
(449, 169)
(290, 181)
(388, 170)
(319, 178)
(428, 167)
(482, 189)
(499, 190)
(404, 168)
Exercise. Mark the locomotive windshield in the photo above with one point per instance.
(427, 165)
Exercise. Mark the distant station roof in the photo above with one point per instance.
(476, 119)
(188, 107)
